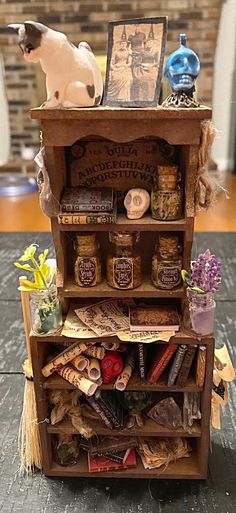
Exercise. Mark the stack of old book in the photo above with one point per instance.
(80, 205)
(110, 453)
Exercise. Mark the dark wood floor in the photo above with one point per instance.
(38, 494)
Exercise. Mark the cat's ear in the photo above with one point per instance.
(34, 28)
(15, 26)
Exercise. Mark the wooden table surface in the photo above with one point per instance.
(38, 494)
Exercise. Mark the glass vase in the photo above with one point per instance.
(199, 312)
(45, 311)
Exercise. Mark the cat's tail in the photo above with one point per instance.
(98, 82)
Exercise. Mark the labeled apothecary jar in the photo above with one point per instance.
(87, 264)
(199, 312)
(45, 311)
(167, 194)
(124, 264)
(167, 261)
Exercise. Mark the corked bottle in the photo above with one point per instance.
(167, 196)
(167, 261)
(87, 267)
(124, 265)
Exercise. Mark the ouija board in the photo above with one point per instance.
(99, 162)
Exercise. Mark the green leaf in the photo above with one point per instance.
(28, 285)
(186, 278)
(42, 257)
(28, 253)
(26, 267)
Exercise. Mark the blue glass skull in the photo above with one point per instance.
(182, 68)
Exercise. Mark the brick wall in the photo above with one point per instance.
(87, 20)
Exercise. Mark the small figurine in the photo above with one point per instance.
(182, 69)
(136, 202)
(111, 366)
(73, 78)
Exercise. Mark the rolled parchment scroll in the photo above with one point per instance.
(80, 362)
(96, 352)
(94, 371)
(61, 359)
(123, 379)
(74, 377)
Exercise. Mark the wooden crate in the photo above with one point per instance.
(157, 136)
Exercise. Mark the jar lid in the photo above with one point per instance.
(83, 238)
(167, 170)
(124, 238)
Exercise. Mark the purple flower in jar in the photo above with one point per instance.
(206, 272)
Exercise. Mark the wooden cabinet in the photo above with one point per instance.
(89, 147)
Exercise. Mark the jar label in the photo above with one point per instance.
(86, 270)
(123, 272)
(169, 276)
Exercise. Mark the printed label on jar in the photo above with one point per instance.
(86, 270)
(123, 272)
(169, 276)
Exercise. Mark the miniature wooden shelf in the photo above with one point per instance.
(184, 468)
(135, 383)
(61, 129)
(103, 290)
(146, 224)
(180, 337)
(150, 428)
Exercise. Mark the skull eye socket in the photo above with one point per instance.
(176, 62)
(137, 200)
(128, 199)
(107, 364)
(116, 367)
(192, 60)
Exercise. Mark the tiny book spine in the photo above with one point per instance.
(142, 360)
(175, 367)
(186, 366)
(96, 406)
(201, 366)
(161, 360)
(109, 404)
(101, 464)
(87, 218)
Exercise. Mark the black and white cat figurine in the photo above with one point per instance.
(73, 77)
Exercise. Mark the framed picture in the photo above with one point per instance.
(134, 62)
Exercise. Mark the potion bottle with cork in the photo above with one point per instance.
(87, 264)
(124, 263)
(167, 261)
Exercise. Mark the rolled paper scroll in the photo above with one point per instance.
(94, 371)
(96, 352)
(61, 359)
(201, 366)
(114, 346)
(80, 362)
(75, 378)
(123, 379)
(98, 381)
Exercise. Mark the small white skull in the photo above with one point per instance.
(136, 202)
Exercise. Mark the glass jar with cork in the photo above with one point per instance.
(167, 196)
(167, 261)
(124, 264)
(87, 265)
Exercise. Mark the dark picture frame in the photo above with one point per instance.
(135, 56)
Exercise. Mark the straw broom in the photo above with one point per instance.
(28, 439)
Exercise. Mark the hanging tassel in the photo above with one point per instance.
(28, 439)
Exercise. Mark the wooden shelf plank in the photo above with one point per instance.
(180, 337)
(146, 289)
(184, 468)
(57, 382)
(146, 224)
(151, 428)
(117, 113)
